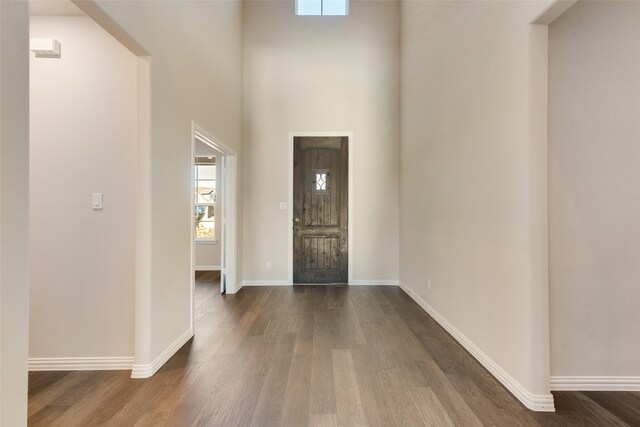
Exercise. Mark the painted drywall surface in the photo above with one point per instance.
(195, 52)
(54, 8)
(207, 255)
(83, 140)
(473, 176)
(14, 190)
(594, 191)
(321, 74)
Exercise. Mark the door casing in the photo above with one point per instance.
(352, 151)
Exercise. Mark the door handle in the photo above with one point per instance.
(296, 219)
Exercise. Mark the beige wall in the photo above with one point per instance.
(207, 255)
(321, 74)
(14, 191)
(594, 191)
(82, 140)
(195, 53)
(473, 178)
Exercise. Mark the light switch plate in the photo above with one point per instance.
(96, 201)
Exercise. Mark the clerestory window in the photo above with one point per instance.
(322, 7)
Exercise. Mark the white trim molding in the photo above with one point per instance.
(235, 289)
(535, 402)
(80, 363)
(207, 268)
(145, 371)
(595, 383)
(265, 283)
(287, 283)
(374, 282)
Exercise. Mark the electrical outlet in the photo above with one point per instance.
(428, 283)
(268, 265)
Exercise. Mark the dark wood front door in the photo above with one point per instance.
(320, 209)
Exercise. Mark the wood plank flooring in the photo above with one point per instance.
(310, 356)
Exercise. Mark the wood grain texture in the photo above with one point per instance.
(320, 205)
(349, 406)
(310, 356)
(323, 420)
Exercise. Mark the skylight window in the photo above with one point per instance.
(322, 7)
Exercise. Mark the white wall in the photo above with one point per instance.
(195, 53)
(594, 196)
(321, 74)
(473, 179)
(83, 140)
(14, 190)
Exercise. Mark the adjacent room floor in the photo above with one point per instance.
(310, 355)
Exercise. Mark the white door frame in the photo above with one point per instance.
(228, 235)
(350, 139)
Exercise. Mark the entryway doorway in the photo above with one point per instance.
(320, 209)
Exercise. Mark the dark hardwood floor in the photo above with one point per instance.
(313, 355)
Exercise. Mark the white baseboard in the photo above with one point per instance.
(264, 283)
(207, 268)
(535, 402)
(286, 283)
(235, 290)
(374, 283)
(147, 370)
(80, 363)
(575, 383)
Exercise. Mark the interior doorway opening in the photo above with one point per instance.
(208, 204)
(213, 211)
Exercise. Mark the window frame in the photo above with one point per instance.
(346, 9)
(196, 203)
(326, 174)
